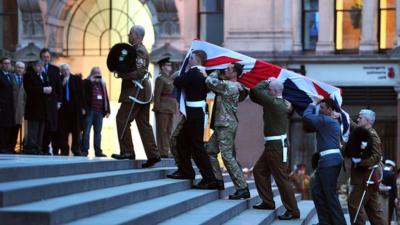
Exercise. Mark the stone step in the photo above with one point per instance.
(307, 212)
(259, 216)
(215, 212)
(156, 210)
(17, 192)
(22, 167)
(71, 207)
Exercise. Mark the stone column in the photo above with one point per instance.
(397, 152)
(297, 25)
(369, 26)
(326, 26)
(397, 23)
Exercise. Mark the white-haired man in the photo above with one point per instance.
(19, 97)
(360, 171)
(71, 113)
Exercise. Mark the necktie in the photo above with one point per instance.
(46, 68)
(67, 90)
(18, 80)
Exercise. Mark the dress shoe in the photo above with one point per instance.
(164, 156)
(179, 175)
(100, 155)
(288, 216)
(206, 185)
(151, 162)
(220, 185)
(240, 194)
(264, 206)
(84, 153)
(123, 156)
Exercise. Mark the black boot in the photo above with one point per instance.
(206, 185)
(240, 194)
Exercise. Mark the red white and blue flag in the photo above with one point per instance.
(298, 89)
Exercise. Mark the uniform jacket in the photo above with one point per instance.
(193, 83)
(128, 88)
(275, 112)
(6, 101)
(164, 101)
(226, 100)
(19, 97)
(359, 176)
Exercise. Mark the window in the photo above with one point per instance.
(348, 24)
(387, 23)
(310, 24)
(9, 25)
(211, 21)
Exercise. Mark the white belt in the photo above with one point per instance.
(329, 151)
(196, 104)
(282, 139)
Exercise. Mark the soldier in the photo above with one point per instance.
(360, 171)
(165, 106)
(190, 139)
(273, 161)
(141, 112)
(225, 124)
(323, 188)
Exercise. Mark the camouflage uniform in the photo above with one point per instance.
(225, 126)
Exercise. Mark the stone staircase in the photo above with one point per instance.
(79, 190)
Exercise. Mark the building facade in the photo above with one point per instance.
(352, 44)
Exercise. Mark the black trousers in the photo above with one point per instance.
(190, 144)
(5, 139)
(34, 139)
(325, 196)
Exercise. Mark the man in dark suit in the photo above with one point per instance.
(35, 110)
(52, 74)
(190, 140)
(141, 110)
(71, 113)
(6, 106)
(19, 97)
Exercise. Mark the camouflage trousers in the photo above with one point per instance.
(173, 140)
(223, 140)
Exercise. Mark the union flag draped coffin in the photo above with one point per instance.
(298, 89)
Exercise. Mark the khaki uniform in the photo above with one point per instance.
(371, 205)
(165, 106)
(225, 126)
(271, 161)
(140, 112)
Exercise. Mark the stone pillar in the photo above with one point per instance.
(397, 23)
(369, 30)
(397, 152)
(297, 25)
(326, 26)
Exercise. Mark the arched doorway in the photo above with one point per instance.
(92, 27)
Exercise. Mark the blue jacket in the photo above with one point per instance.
(328, 135)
